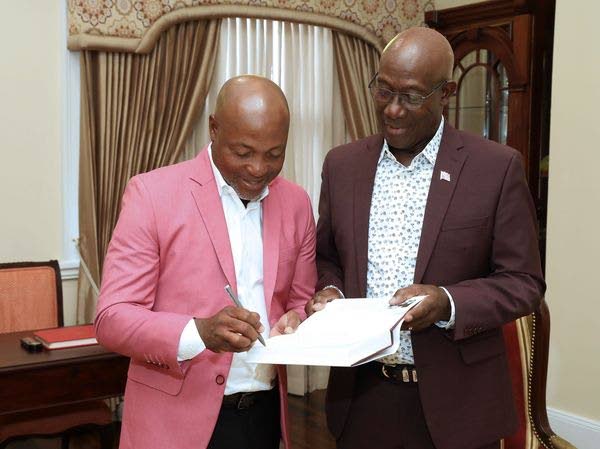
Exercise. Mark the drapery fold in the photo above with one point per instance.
(137, 111)
(356, 63)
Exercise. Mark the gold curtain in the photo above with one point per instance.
(356, 63)
(136, 113)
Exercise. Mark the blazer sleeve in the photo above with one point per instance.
(305, 274)
(328, 263)
(125, 321)
(515, 284)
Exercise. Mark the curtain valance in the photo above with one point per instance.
(135, 25)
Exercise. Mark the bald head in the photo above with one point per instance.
(423, 51)
(250, 95)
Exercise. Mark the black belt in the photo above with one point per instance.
(244, 400)
(405, 374)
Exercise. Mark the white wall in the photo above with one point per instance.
(574, 213)
(30, 125)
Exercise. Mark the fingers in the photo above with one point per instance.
(232, 329)
(287, 324)
(320, 300)
(435, 307)
(405, 293)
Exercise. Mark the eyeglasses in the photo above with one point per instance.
(407, 99)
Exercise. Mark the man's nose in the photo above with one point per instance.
(258, 168)
(395, 109)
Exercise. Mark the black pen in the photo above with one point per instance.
(237, 302)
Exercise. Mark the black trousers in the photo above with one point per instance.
(249, 426)
(386, 415)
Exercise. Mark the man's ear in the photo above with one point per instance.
(448, 90)
(213, 127)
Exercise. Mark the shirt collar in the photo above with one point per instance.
(225, 189)
(429, 152)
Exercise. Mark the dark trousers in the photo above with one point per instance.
(249, 426)
(386, 415)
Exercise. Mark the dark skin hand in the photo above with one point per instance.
(233, 329)
(434, 308)
(320, 300)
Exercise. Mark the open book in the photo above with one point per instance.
(348, 332)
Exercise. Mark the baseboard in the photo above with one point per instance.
(69, 269)
(581, 432)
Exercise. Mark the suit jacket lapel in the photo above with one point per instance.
(271, 210)
(449, 160)
(205, 193)
(363, 192)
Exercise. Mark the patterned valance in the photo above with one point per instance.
(135, 25)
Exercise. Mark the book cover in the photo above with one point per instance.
(67, 337)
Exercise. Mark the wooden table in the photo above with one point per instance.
(31, 381)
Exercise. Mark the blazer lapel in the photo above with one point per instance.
(272, 217)
(205, 193)
(363, 192)
(448, 165)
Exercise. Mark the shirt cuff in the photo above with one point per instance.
(190, 343)
(450, 323)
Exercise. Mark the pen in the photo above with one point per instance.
(237, 302)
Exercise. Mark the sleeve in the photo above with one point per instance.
(305, 274)
(328, 264)
(125, 321)
(515, 284)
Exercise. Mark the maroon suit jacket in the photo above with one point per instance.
(479, 240)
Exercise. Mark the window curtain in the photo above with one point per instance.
(356, 63)
(300, 59)
(136, 113)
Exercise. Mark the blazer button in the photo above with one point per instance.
(220, 380)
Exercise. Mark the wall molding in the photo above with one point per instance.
(69, 269)
(583, 433)
(70, 118)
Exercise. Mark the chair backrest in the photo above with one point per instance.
(30, 296)
(527, 347)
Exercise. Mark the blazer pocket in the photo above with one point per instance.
(158, 378)
(482, 347)
(454, 223)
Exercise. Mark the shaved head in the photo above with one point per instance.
(249, 130)
(247, 95)
(424, 50)
(412, 88)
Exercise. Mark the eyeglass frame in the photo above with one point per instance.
(401, 95)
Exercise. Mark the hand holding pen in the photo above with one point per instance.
(232, 329)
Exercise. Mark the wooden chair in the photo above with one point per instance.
(527, 345)
(31, 298)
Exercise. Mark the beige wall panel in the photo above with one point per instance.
(574, 213)
(30, 228)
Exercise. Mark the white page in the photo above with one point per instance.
(347, 332)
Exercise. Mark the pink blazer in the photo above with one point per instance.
(168, 261)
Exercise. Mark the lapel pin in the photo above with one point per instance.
(444, 176)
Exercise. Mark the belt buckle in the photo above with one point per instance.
(405, 376)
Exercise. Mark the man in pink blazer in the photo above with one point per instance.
(424, 209)
(184, 233)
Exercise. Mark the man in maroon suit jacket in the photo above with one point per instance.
(426, 209)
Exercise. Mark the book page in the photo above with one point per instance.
(347, 332)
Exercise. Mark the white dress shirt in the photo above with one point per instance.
(244, 225)
(395, 224)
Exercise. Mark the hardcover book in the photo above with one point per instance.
(67, 337)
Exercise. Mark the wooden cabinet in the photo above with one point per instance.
(503, 67)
